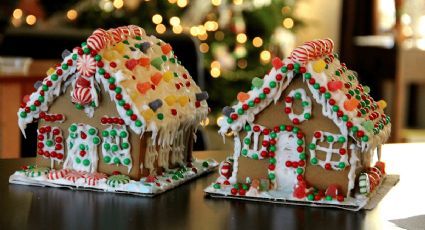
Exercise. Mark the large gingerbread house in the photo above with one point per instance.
(306, 133)
(118, 114)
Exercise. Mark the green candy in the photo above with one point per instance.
(272, 176)
(117, 160)
(284, 69)
(105, 133)
(64, 66)
(341, 165)
(247, 128)
(205, 164)
(138, 123)
(300, 171)
(272, 160)
(126, 161)
(257, 82)
(118, 90)
(114, 148)
(92, 131)
(86, 162)
(78, 160)
(107, 159)
(49, 143)
(111, 80)
(314, 161)
(247, 141)
(341, 139)
(23, 114)
(300, 142)
(368, 125)
(216, 186)
(255, 156)
(310, 197)
(312, 146)
(302, 156)
(272, 84)
(330, 138)
(98, 57)
(307, 116)
(297, 95)
(307, 76)
(160, 116)
(123, 134)
(54, 77)
(244, 152)
(125, 145)
(107, 146)
(113, 132)
(41, 98)
(96, 140)
(82, 147)
(157, 62)
(121, 102)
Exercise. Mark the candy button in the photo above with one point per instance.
(166, 48)
(334, 85)
(319, 66)
(257, 82)
(130, 64)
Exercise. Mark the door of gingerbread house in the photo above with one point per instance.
(286, 177)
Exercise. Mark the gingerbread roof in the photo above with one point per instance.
(151, 89)
(336, 88)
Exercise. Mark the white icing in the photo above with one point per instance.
(74, 160)
(329, 150)
(49, 136)
(304, 99)
(354, 162)
(122, 153)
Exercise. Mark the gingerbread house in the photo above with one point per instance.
(118, 114)
(306, 133)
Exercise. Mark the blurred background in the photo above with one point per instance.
(224, 44)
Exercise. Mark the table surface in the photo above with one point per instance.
(186, 207)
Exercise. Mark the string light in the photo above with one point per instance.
(72, 14)
(118, 4)
(211, 25)
(172, 1)
(194, 31)
(215, 64)
(288, 23)
(106, 5)
(174, 21)
(286, 10)
(241, 38)
(237, 2)
(17, 14)
(203, 47)
(203, 37)
(242, 63)
(160, 28)
(216, 2)
(181, 3)
(157, 19)
(215, 72)
(257, 42)
(219, 35)
(177, 29)
(265, 56)
(31, 20)
(219, 119)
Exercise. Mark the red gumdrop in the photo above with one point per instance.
(130, 64)
(333, 190)
(277, 63)
(335, 85)
(299, 191)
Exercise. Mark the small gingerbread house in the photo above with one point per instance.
(118, 110)
(306, 132)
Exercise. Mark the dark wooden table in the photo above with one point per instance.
(186, 207)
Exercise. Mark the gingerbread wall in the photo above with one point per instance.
(63, 105)
(274, 115)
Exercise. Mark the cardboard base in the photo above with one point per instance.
(167, 181)
(350, 203)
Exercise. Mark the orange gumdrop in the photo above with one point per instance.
(166, 48)
(351, 104)
(242, 96)
(156, 78)
(144, 62)
(143, 87)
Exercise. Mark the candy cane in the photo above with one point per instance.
(57, 174)
(115, 35)
(96, 42)
(137, 31)
(312, 50)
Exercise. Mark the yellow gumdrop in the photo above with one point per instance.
(319, 66)
(148, 114)
(120, 47)
(170, 100)
(382, 104)
(133, 94)
(183, 100)
(110, 55)
(50, 71)
(167, 76)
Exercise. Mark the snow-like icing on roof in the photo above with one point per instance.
(343, 98)
(151, 89)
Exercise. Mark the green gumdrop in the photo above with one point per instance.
(257, 82)
(368, 126)
(366, 89)
(157, 63)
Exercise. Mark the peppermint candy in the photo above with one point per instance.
(86, 65)
(312, 50)
(57, 174)
(116, 180)
(96, 42)
(92, 178)
(75, 175)
(81, 95)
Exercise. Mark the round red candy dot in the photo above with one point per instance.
(174, 112)
(185, 76)
(234, 116)
(245, 106)
(53, 154)
(234, 191)
(294, 164)
(300, 149)
(69, 62)
(322, 89)
(272, 154)
(300, 135)
(40, 145)
(47, 118)
(302, 69)
(59, 117)
(58, 139)
(339, 113)
(360, 133)
(133, 117)
(264, 153)
(56, 132)
(272, 167)
(300, 177)
(290, 66)
(266, 90)
(113, 64)
(112, 86)
(40, 152)
(276, 129)
(121, 122)
(27, 109)
(187, 84)
(349, 124)
(288, 99)
(288, 110)
(59, 72)
(328, 166)
(265, 143)
(288, 164)
(106, 75)
(296, 121)
(273, 142)
(266, 131)
(109, 120)
(256, 128)
(127, 106)
(279, 77)
(197, 104)
(49, 83)
(289, 128)
(40, 137)
(48, 129)
(59, 156)
(103, 120)
(118, 96)
(93, 53)
(342, 151)
(311, 81)
(257, 100)
(332, 101)
(100, 64)
(242, 192)
(340, 198)
(80, 51)
(46, 154)
(116, 120)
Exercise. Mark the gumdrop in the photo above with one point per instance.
(368, 125)
(166, 48)
(202, 96)
(300, 190)
(170, 100)
(110, 55)
(334, 85)
(366, 89)
(120, 47)
(319, 66)
(257, 82)
(156, 78)
(381, 166)
(148, 114)
(382, 104)
(144, 62)
(157, 62)
(183, 100)
(333, 190)
(82, 82)
(351, 104)
(227, 110)
(50, 71)
(150, 179)
(156, 104)
(130, 64)
(167, 76)
(143, 87)
(242, 96)
(277, 63)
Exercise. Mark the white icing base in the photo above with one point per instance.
(141, 187)
(282, 197)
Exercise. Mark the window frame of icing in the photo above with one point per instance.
(121, 153)
(255, 151)
(328, 164)
(307, 109)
